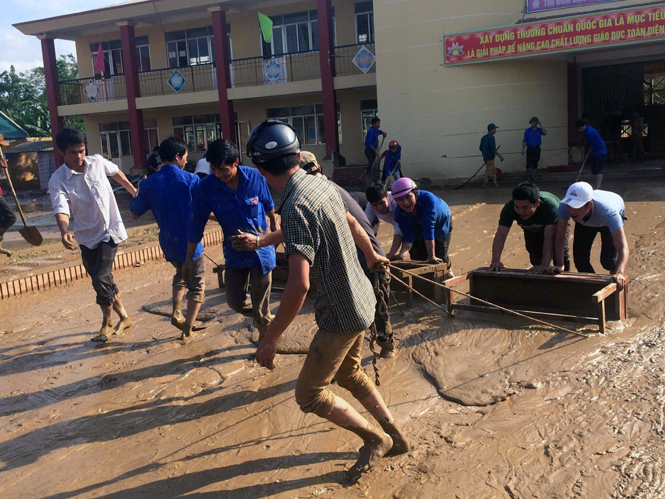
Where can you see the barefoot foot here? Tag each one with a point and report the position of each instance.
(103, 335)
(369, 455)
(125, 323)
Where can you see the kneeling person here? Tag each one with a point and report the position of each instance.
(240, 199)
(168, 193)
(535, 212)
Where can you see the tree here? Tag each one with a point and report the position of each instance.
(23, 97)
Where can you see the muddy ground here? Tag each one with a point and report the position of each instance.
(495, 407)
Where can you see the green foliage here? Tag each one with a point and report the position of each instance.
(23, 97)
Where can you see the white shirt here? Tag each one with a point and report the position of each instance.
(202, 166)
(388, 217)
(95, 210)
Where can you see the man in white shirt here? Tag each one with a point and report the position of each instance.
(82, 184)
(202, 167)
(381, 206)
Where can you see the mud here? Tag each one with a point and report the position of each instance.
(494, 406)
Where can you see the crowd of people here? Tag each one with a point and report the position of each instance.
(329, 239)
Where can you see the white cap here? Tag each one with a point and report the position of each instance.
(579, 194)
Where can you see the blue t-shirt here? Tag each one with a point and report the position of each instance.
(244, 209)
(168, 193)
(372, 138)
(432, 213)
(595, 141)
(391, 159)
(488, 147)
(533, 137)
(608, 211)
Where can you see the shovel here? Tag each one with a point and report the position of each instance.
(29, 232)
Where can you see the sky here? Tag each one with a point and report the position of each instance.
(25, 52)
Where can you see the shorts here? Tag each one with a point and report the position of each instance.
(532, 157)
(196, 285)
(490, 168)
(598, 164)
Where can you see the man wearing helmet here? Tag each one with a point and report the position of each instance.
(425, 221)
(320, 248)
(393, 164)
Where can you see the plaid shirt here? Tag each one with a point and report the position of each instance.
(314, 226)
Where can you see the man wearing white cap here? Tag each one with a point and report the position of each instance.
(594, 212)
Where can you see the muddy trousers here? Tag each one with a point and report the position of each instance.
(196, 286)
(98, 262)
(7, 217)
(237, 282)
(331, 355)
(534, 242)
(584, 237)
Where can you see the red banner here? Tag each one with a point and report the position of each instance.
(619, 27)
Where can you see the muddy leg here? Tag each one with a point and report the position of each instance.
(193, 308)
(377, 443)
(107, 326)
(177, 319)
(3, 251)
(376, 406)
(125, 322)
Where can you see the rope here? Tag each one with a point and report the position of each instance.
(503, 309)
(213, 261)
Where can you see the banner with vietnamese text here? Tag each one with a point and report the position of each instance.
(619, 27)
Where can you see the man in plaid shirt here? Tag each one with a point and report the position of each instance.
(321, 251)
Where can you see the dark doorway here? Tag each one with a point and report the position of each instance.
(612, 95)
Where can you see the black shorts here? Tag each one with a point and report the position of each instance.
(598, 164)
(532, 156)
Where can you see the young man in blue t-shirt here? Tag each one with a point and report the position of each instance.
(372, 145)
(531, 145)
(597, 150)
(168, 194)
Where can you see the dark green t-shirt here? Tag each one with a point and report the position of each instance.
(545, 214)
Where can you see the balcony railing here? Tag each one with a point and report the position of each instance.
(283, 68)
(82, 91)
(344, 55)
(251, 71)
(196, 79)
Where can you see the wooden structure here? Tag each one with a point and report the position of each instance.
(589, 298)
(435, 271)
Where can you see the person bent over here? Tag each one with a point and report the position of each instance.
(425, 221)
(168, 193)
(82, 184)
(240, 200)
(535, 212)
(320, 249)
(594, 212)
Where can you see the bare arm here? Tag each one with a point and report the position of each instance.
(274, 225)
(559, 242)
(62, 220)
(361, 239)
(523, 148)
(621, 244)
(296, 289)
(251, 242)
(431, 255)
(397, 242)
(497, 248)
(122, 180)
(548, 246)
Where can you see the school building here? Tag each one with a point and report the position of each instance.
(436, 72)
